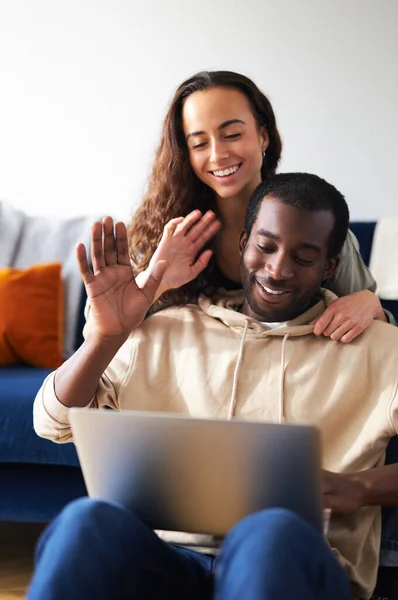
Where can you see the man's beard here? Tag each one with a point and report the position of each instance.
(272, 314)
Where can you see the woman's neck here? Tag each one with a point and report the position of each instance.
(231, 211)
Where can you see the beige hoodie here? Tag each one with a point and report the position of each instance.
(211, 361)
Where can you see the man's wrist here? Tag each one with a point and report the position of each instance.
(110, 342)
(366, 489)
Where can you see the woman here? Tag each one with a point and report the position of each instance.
(219, 141)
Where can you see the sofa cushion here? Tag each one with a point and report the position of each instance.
(18, 441)
(31, 316)
(27, 240)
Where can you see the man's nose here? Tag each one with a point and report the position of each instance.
(279, 266)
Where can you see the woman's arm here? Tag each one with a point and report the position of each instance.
(357, 305)
(351, 274)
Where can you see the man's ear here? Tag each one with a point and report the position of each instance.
(242, 241)
(330, 267)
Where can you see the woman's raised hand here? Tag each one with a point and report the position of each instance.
(117, 304)
(181, 246)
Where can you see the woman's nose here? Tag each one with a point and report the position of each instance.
(218, 152)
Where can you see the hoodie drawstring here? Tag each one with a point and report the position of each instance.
(232, 403)
(282, 381)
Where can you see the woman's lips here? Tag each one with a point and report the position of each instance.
(226, 175)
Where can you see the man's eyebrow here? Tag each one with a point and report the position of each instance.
(268, 234)
(276, 238)
(308, 246)
(220, 127)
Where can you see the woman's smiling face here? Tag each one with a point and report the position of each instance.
(225, 143)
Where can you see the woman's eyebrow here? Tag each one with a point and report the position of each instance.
(194, 133)
(222, 126)
(230, 122)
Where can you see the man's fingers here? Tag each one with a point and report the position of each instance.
(108, 241)
(122, 246)
(326, 481)
(84, 267)
(330, 501)
(97, 255)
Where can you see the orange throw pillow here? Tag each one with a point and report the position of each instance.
(31, 316)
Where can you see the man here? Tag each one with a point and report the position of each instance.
(185, 360)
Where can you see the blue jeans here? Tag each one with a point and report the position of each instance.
(99, 550)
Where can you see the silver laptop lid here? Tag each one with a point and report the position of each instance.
(198, 475)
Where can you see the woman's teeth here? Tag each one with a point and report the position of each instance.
(226, 172)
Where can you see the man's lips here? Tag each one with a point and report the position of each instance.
(272, 293)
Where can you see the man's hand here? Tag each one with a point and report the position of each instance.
(343, 494)
(117, 304)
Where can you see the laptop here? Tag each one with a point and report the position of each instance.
(198, 475)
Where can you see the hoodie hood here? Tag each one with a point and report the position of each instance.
(226, 307)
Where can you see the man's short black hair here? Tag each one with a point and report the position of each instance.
(306, 192)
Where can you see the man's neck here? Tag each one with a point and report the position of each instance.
(272, 318)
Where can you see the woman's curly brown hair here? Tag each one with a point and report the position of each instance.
(174, 190)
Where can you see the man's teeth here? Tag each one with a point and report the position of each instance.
(275, 292)
(226, 172)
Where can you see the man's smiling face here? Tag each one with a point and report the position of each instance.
(284, 260)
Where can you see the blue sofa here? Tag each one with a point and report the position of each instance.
(38, 477)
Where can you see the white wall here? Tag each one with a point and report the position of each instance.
(84, 85)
